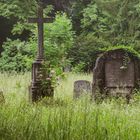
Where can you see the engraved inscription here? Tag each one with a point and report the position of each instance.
(117, 77)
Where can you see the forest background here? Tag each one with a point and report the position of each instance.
(82, 29)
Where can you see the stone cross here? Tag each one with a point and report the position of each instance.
(40, 20)
(36, 91)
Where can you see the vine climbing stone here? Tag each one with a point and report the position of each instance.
(116, 73)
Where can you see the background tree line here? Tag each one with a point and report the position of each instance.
(80, 32)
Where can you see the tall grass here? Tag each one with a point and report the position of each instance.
(64, 118)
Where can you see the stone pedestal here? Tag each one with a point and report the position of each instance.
(36, 90)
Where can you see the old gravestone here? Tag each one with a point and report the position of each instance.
(81, 87)
(116, 73)
(36, 91)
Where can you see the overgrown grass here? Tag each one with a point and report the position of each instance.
(64, 118)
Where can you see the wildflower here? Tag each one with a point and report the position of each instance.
(52, 72)
(48, 79)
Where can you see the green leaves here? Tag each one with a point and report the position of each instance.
(58, 39)
(21, 11)
(90, 15)
(17, 56)
(86, 50)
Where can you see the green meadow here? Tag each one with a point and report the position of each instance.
(63, 118)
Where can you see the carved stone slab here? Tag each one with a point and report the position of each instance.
(117, 73)
(119, 92)
(116, 77)
(81, 87)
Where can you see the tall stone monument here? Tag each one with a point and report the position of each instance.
(36, 92)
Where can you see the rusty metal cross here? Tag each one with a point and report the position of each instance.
(40, 22)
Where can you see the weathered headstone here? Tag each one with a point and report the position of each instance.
(82, 87)
(116, 73)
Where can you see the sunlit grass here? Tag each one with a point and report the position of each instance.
(65, 89)
(63, 118)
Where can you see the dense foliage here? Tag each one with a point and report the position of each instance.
(97, 24)
(59, 38)
(113, 23)
(85, 51)
(17, 56)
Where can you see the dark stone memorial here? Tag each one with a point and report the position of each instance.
(116, 73)
(36, 91)
(82, 87)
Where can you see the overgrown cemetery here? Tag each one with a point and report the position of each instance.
(69, 70)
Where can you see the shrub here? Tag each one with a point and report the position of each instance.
(86, 50)
(17, 56)
(58, 39)
(79, 67)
